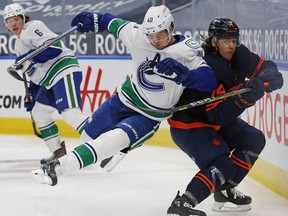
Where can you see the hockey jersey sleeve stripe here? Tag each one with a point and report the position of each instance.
(116, 25)
(49, 53)
(257, 68)
(60, 65)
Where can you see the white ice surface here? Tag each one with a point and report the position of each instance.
(143, 184)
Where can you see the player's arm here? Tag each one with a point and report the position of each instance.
(223, 111)
(201, 78)
(44, 56)
(35, 35)
(266, 70)
(97, 22)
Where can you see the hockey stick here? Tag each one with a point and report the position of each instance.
(29, 99)
(202, 101)
(12, 69)
(213, 99)
(210, 100)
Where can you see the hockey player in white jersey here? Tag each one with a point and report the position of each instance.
(164, 64)
(54, 74)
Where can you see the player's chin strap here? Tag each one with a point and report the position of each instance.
(12, 70)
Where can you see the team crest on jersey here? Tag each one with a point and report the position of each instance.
(146, 68)
(148, 65)
(193, 44)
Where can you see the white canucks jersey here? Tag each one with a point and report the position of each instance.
(33, 35)
(145, 89)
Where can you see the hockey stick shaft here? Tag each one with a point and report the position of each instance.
(29, 99)
(203, 101)
(213, 99)
(12, 69)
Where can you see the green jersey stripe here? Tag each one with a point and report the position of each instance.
(115, 25)
(58, 67)
(129, 92)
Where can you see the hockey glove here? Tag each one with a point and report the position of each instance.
(275, 80)
(27, 66)
(33, 91)
(89, 20)
(173, 70)
(29, 105)
(248, 99)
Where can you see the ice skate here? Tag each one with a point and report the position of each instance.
(55, 155)
(182, 206)
(229, 199)
(109, 163)
(47, 173)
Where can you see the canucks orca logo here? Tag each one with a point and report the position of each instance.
(146, 69)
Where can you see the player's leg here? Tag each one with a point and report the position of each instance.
(99, 122)
(130, 133)
(111, 162)
(68, 100)
(65, 97)
(247, 143)
(211, 154)
(104, 146)
(42, 113)
(119, 128)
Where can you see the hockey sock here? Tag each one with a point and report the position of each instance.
(50, 134)
(104, 146)
(210, 179)
(244, 161)
(203, 184)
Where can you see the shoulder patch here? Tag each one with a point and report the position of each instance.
(192, 44)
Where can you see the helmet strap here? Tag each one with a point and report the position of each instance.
(214, 41)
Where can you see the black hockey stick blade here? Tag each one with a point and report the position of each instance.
(13, 72)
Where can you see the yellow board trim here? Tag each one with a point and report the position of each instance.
(264, 172)
(270, 176)
(24, 126)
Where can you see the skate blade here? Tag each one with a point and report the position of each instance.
(40, 177)
(230, 207)
(113, 162)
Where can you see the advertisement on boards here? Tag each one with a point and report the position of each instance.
(101, 79)
(270, 115)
